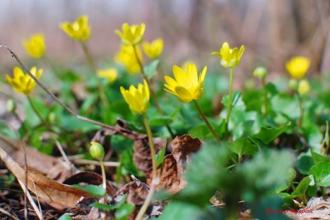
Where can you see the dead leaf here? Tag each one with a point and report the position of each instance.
(170, 177)
(55, 194)
(141, 157)
(136, 192)
(173, 167)
(52, 167)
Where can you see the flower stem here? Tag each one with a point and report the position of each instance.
(151, 145)
(265, 109)
(230, 101)
(206, 121)
(153, 94)
(88, 56)
(34, 108)
(155, 180)
(104, 178)
(301, 108)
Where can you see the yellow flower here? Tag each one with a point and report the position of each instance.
(78, 30)
(186, 84)
(137, 98)
(230, 57)
(303, 87)
(298, 66)
(153, 49)
(22, 82)
(127, 58)
(35, 46)
(110, 74)
(131, 34)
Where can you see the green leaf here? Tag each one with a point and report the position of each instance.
(160, 121)
(124, 211)
(321, 172)
(151, 69)
(65, 217)
(208, 164)
(200, 131)
(243, 146)
(302, 187)
(160, 156)
(304, 163)
(73, 124)
(318, 158)
(268, 134)
(103, 207)
(97, 191)
(186, 211)
(287, 105)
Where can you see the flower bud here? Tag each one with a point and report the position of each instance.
(260, 72)
(303, 87)
(96, 150)
(11, 105)
(52, 117)
(293, 84)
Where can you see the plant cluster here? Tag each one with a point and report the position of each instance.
(264, 147)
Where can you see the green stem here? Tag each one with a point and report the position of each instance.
(153, 94)
(206, 121)
(42, 120)
(155, 180)
(265, 110)
(301, 108)
(230, 101)
(89, 57)
(151, 146)
(104, 177)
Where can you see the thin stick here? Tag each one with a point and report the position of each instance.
(8, 214)
(91, 162)
(34, 206)
(146, 203)
(65, 157)
(69, 110)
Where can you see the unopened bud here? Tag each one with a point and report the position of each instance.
(293, 84)
(303, 87)
(11, 105)
(96, 150)
(260, 72)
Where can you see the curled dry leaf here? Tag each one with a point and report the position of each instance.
(171, 171)
(142, 158)
(170, 176)
(317, 208)
(52, 167)
(136, 192)
(45, 188)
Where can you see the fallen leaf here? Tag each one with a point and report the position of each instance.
(136, 192)
(52, 167)
(55, 194)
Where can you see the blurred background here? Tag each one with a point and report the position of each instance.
(272, 30)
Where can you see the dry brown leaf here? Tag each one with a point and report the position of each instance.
(55, 194)
(136, 192)
(141, 157)
(183, 145)
(170, 177)
(53, 167)
(171, 171)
